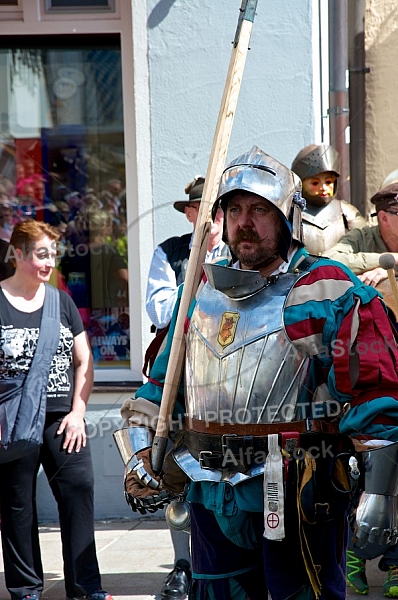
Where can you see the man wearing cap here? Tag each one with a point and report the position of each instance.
(360, 249)
(170, 259)
(270, 360)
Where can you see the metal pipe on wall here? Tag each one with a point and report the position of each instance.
(357, 70)
(338, 91)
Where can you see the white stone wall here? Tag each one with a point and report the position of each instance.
(189, 47)
(381, 35)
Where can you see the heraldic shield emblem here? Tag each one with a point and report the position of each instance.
(226, 333)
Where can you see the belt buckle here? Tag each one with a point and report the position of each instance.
(201, 459)
(223, 441)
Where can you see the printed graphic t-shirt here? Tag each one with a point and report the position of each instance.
(19, 332)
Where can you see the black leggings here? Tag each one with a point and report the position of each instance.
(72, 483)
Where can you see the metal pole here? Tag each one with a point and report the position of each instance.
(338, 91)
(357, 69)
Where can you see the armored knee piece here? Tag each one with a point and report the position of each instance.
(377, 512)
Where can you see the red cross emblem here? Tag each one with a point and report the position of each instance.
(272, 520)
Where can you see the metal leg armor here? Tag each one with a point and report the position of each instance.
(377, 512)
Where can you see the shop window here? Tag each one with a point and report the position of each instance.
(62, 161)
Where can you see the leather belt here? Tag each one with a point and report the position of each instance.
(240, 452)
(226, 451)
(262, 429)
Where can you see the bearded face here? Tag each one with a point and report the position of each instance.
(253, 230)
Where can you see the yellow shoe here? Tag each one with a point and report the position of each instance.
(390, 588)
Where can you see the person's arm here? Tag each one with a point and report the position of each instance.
(123, 275)
(73, 422)
(333, 317)
(162, 290)
(350, 252)
(123, 286)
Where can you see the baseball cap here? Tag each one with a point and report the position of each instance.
(386, 199)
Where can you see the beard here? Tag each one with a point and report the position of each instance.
(257, 256)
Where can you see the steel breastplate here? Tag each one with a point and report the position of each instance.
(241, 368)
(323, 226)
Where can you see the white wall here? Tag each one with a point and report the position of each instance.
(189, 51)
(381, 39)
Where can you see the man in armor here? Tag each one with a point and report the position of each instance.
(271, 358)
(326, 218)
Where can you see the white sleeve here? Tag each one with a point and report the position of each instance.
(161, 291)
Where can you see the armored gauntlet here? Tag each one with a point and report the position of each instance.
(144, 491)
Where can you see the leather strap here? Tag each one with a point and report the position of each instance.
(262, 429)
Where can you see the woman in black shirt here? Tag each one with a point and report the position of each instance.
(65, 453)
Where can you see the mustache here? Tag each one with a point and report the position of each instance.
(246, 235)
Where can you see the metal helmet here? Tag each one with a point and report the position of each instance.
(258, 173)
(315, 159)
(391, 178)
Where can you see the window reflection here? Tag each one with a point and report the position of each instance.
(62, 161)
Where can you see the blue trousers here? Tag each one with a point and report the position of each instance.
(225, 571)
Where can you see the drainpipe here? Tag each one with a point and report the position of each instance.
(338, 92)
(357, 68)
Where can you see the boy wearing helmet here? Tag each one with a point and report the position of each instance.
(270, 360)
(326, 218)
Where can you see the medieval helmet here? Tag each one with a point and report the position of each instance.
(315, 159)
(258, 173)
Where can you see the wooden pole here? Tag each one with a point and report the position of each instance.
(387, 262)
(199, 245)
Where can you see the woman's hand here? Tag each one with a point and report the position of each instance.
(75, 432)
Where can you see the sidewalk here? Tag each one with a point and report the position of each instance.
(134, 556)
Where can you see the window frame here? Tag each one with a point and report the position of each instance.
(103, 10)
